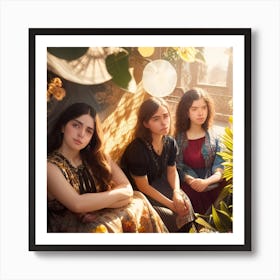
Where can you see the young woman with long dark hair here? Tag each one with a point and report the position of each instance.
(200, 167)
(149, 162)
(85, 188)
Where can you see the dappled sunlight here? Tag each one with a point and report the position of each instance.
(118, 127)
(119, 121)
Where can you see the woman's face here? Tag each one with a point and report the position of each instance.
(159, 123)
(78, 132)
(198, 112)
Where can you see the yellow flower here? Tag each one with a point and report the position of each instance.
(51, 88)
(100, 229)
(57, 82)
(187, 54)
(55, 88)
(59, 93)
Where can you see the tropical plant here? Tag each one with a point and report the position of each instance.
(219, 217)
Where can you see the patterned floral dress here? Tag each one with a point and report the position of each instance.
(138, 216)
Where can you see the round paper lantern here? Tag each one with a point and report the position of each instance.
(159, 78)
(146, 51)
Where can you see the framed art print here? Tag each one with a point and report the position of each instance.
(114, 70)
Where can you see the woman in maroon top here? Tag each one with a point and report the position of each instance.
(199, 166)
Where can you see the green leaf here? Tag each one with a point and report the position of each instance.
(221, 211)
(192, 230)
(229, 132)
(200, 57)
(67, 53)
(217, 220)
(228, 164)
(203, 223)
(226, 191)
(223, 206)
(228, 176)
(118, 67)
(222, 220)
(205, 217)
(225, 220)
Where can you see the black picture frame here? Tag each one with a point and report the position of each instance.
(36, 172)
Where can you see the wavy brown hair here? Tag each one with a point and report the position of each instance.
(184, 105)
(93, 154)
(147, 109)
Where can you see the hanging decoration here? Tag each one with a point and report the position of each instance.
(67, 53)
(146, 51)
(93, 65)
(89, 69)
(159, 78)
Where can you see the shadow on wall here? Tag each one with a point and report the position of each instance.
(116, 108)
(119, 121)
(119, 126)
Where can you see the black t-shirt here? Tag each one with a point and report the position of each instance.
(140, 159)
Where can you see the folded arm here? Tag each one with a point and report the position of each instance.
(61, 190)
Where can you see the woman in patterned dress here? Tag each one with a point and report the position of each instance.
(87, 191)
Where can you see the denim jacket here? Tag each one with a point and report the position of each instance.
(209, 151)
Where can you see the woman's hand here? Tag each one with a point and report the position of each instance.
(180, 206)
(198, 184)
(121, 203)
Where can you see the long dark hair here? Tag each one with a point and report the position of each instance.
(93, 154)
(147, 109)
(182, 113)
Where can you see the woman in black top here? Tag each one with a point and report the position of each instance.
(150, 163)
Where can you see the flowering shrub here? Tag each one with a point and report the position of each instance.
(55, 89)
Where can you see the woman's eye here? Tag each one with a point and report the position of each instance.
(75, 125)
